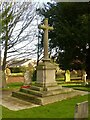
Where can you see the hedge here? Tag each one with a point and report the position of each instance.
(21, 69)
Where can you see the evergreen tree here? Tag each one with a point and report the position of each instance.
(70, 35)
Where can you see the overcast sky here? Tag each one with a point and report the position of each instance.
(40, 2)
(44, 0)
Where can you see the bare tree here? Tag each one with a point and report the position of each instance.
(17, 29)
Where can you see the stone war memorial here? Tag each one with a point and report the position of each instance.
(45, 90)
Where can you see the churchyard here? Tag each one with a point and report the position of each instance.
(45, 97)
(17, 80)
(75, 80)
(57, 85)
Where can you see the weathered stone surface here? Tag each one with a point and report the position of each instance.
(67, 76)
(46, 74)
(8, 71)
(81, 110)
(13, 103)
(46, 97)
(46, 28)
(27, 78)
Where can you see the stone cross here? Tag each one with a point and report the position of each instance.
(46, 28)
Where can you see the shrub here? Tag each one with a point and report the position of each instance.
(21, 69)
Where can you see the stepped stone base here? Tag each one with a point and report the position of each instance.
(38, 95)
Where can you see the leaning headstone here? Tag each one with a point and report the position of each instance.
(67, 76)
(81, 111)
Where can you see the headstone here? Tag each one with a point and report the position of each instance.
(73, 73)
(84, 77)
(27, 78)
(79, 73)
(67, 76)
(7, 72)
(81, 111)
(28, 74)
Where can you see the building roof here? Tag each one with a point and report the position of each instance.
(23, 62)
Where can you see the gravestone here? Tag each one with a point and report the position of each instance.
(73, 73)
(67, 76)
(28, 74)
(27, 78)
(84, 77)
(81, 111)
(7, 72)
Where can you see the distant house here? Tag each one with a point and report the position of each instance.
(23, 62)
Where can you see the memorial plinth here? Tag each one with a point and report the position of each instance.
(46, 74)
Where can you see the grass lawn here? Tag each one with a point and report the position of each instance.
(62, 109)
(72, 85)
(15, 85)
(77, 87)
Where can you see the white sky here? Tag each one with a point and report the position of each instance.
(35, 39)
(40, 1)
(44, 1)
(25, 1)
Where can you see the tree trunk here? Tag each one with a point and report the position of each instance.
(4, 61)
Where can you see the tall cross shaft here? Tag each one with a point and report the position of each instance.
(46, 28)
